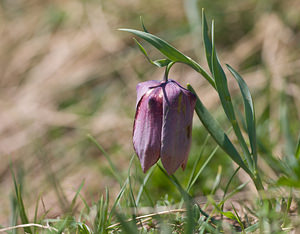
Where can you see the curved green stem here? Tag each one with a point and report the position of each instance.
(168, 67)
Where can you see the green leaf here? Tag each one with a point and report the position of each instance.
(206, 41)
(223, 91)
(249, 111)
(143, 25)
(158, 63)
(238, 218)
(163, 46)
(170, 52)
(229, 215)
(217, 133)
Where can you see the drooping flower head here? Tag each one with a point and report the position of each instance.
(163, 124)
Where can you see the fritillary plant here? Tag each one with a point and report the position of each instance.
(164, 111)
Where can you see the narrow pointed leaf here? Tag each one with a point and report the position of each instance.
(206, 41)
(238, 218)
(223, 91)
(163, 46)
(170, 52)
(229, 215)
(249, 110)
(217, 133)
(158, 63)
(143, 25)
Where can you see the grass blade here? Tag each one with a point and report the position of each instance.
(149, 173)
(117, 200)
(101, 221)
(236, 190)
(238, 218)
(197, 162)
(76, 195)
(20, 203)
(217, 180)
(112, 166)
(202, 168)
(227, 185)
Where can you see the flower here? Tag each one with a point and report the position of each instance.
(163, 124)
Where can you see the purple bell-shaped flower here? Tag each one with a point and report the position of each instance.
(163, 124)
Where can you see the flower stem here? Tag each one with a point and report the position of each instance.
(168, 67)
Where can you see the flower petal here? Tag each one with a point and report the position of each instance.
(178, 110)
(147, 128)
(143, 87)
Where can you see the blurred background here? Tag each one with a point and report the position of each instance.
(66, 72)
